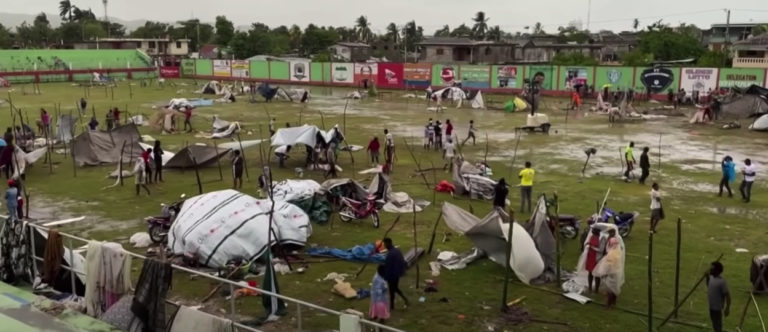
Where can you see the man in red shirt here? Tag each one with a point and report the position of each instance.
(448, 129)
(373, 149)
(145, 156)
(116, 116)
(187, 117)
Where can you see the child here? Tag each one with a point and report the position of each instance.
(379, 305)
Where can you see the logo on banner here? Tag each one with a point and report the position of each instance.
(447, 74)
(390, 76)
(341, 74)
(657, 79)
(299, 71)
(614, 76)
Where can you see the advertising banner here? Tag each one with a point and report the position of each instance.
(544, 74)
(615, 78)
(203, 67)
(222, 68)
(478, 77)
(572, 77)
(366, 72)
(342, 73)
(170, 72)
(698, 79)
(188, 67)
(279, 70)
(417, 74)
(658, 80)
(240, 68)
(504, 77)
(741, 77)
(390, 75)
(444, 75)
(300, 71)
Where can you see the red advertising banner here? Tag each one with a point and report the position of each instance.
(170, 72)
(417, 74)
(391, 75)
(366, 72)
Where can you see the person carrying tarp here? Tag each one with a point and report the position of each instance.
(282, 154)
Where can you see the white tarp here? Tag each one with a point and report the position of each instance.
(242, 144)
(761, 123)
(222, 225)
(289, 190)
(23, 159)
(615, 280)
(305, 134)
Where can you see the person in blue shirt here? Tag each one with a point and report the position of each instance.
(729, 175)
(12, 199)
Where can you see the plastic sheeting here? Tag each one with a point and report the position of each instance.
(306, 134)
(203, 156)
(468, 181)
(490, 235)
(98, 147)
(760, 124)
(361, 253)
(614, 281)
(290, 190)
(65, 128)
(542, 235)
(222, 225)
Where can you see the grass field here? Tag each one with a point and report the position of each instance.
(689, 174)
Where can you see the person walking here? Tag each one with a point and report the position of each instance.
(449, 151)
(379, 310)
(470, 133)
(657, 211)
(448, 129)
(116, 116)
(729, 175)
(45, 119)
(389, 149)
(237, 170)
(281, 152)
(645, 165)
(272, 127)
(146, 155)
(140, 176)
(500, 192)
(187, 119)
(526, 186)
(438, 135)
(373, 150)
(157, 156)
(330, 156)
(629, 157)
(394, 268)
(718, 296)
(12, 199)
(110, 119)
(749, 173)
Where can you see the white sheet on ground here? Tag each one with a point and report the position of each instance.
(760, 124)
(289, 190)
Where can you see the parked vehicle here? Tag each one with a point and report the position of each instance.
(158, 226)
(356, 210)
(624, 220)
(568, 224)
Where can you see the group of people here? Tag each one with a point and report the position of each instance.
(386, 281)
(150, 160)
(748, 171)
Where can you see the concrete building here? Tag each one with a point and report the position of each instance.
(465, 50)
(354, 52)
(543, 48)
(715, 37)
(388, 49)
(150, 46)
(614, 45)
(751, 53)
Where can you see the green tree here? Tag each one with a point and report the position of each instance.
(713, 59)
(363, 29)
(317, 40)
(393, 33)
(462, 31)
(573, 59)
(295, 37)
(197, 33)
(759, 29)
(445, 31)
(572, 34)
(481, 26)
(65, 10)
(412, 35)
(666, 43)
(225, 30)
(5, 37)
(82, 15)
(495, 34)
(70, 32)
(113, 29)
(151, 30)
(239, 45)
(636, 58)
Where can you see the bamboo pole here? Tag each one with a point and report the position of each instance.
(677, 261)
(130, 90)
(485, 157)
(242, 152)
(508, 257)
(650, 282)
(557, 236)
(434, 232)
(218, 161)
(416, 161)
(743, 315)
(660, 152)
(416, 247)
(514, 155)
(120, 168)
(757, 309)
(197, 173)
(680, 304)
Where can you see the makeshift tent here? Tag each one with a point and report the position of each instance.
(100, 147)
(294, 95)
(542, 235)
(469, 181)
(65, 128)
(212, 88)
(266, 91)
(307, 135)
(289, 190)
(457, 95)
(743, 103)
(235, 145)
(23, 159)
(178, 103)
(167, 155)
(216, 227)
(760, 124)
(219, 124)
(344, 188)
(490, 235)
(203, 156)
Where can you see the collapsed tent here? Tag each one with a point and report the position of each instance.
(103, 147)
(266, 91)
(65, 128)
(167, 155)
(458, 96)
(469, 180)
(742, 103)
(538, 228)
(213, 88)
(22, 159)
(490, 235)
(294, 95)
(196, 155)
(307, 135)
(289, 190)
(219, 226)
(760, 124)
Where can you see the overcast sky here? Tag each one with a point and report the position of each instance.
(431, 14)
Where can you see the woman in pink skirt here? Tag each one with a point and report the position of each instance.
(379, 304)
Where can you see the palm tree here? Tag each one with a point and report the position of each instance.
(294, 34)
(461, 31)
(635, 24)
(363, 29)
(444, 32)
(538, 29)
(481, 25)
(393, 33)
(65, 9)
(495, 34)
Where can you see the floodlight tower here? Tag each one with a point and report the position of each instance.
(106, 17)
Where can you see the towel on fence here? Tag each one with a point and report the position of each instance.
(52, 257)
(115, 275)
(188, 319)
(93, 296)
(149, 297)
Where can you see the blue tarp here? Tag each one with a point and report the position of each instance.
(201, 102)
(355, 254)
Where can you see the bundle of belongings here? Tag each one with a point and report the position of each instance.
(490, 235)
(182, 103)
(306, 195)
(380, 187)
(758, 273)
(219, 226)
(458, 96)
(145, 310)
(49, 245)
(471, 180)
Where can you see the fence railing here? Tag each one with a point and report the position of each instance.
(299, 304)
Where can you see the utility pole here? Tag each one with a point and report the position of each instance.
(589, 12)
(198, 35)
(727, 34)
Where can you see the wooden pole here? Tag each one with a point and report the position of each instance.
(130, 90)
(197, 173)
(485, 157)
(650, 282)
(344, 117)
(508, 257)
(743, 314)
(680, 304)
(322, 118)
(514, 155)
(416, 247)
(557, 236)
(218, 161)
(112, 92)
(301, 111)
(362, 268)
(757, 309)
(434, 179)
(659, 151)
(74, 163)
(677, 261)
(434, 232)
(242, 152)
(416, 161)
(120, 168)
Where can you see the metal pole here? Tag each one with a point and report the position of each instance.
(727, 34)
(509, 256)
(71, 264)
(415, 248)
(650, 282)
(32, 241)
(677, 262)
(232, 302)
(298, 315)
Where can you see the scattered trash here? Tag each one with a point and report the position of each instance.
(461, 317)
(577, 297)
(336, 276)
(431, 286)
(444, 300)
(516, 301)
(434, 267)
(344, 289)
(741, 250)
(515, 315)
(140, 240)
(422, 299)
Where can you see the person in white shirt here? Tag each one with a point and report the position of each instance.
(749, 173)
(449, 151)
(272, 127)
(389, 148)
(657, 212)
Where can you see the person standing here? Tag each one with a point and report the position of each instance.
(749, 173)
(146, 156)
(645, 165)
(448, 129)
(594, 253)
(629, 157)
(12, 199)
(237, 170)
(330, 155)
(157, 156)
(389, 149)
(449, 151)
(471, 133)
(430, 135)
(272, 127)
(394, 268)
(110, 119)
(438, 135)
(282, 154)
(93, 125)
(500, 192)
(379, 310)
(373, 150)
(83, 105)
(140, 176)
(526, 186)
(187, 119)
(729, 175)
(610, 269)
(718, 296)
(116, 116)
(657, 211)
(45, 119)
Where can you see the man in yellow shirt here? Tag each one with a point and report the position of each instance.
(629, 157)
(526, 186)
